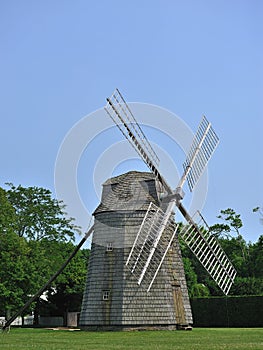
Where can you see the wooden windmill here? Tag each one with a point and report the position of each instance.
(136, 276)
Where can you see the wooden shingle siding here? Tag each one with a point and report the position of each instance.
(118, 217)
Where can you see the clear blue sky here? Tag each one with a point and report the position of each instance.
(59, 60)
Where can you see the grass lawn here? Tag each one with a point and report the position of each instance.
(198, 338)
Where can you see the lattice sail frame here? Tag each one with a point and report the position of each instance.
(122, 116)
(151, 245)
(202, 148)
(208, 251)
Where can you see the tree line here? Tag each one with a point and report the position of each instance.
(36, 237)
(247, 258)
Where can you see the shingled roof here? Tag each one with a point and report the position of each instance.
(130, 191)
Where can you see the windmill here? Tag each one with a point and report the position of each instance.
(136, 276)
(155, 245)
(203, 245)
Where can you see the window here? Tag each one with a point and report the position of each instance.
(105, 295)
(109, 247)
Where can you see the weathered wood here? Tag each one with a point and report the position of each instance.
(124, 202)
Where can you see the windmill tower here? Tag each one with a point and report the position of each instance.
(113, 299)
(135, 275)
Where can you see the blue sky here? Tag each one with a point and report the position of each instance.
(60, 59)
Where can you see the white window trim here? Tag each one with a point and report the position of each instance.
(109, 247)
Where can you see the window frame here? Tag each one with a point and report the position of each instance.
(109, 247)
(106, 295)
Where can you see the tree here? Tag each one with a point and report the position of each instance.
(38, 215)
(32, 226)
(247, 258)
(67, 291)
(256, 258)
(232, 223)
(260, 211)
(193, 273)
(13, 258)
(7, 213)
(14, 266)
(247, 286)
(195, 289)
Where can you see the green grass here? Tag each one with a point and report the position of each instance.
(199, 338)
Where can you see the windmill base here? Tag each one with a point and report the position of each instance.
(127, 328)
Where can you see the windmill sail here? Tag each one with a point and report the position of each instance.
(151, 245)
(152, 242)
(208, 251)
(122, 116)
(202, 148)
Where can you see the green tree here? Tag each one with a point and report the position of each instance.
(256, 258)
(231, 223)
(247, 286)
(7, 213)
(39, 215)
(14, 266)
(13, 258)
(230, 228)
(24, 267)
(67, 291)
(32, 225)
(195, 289)
(246, 257)
(193, 273)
